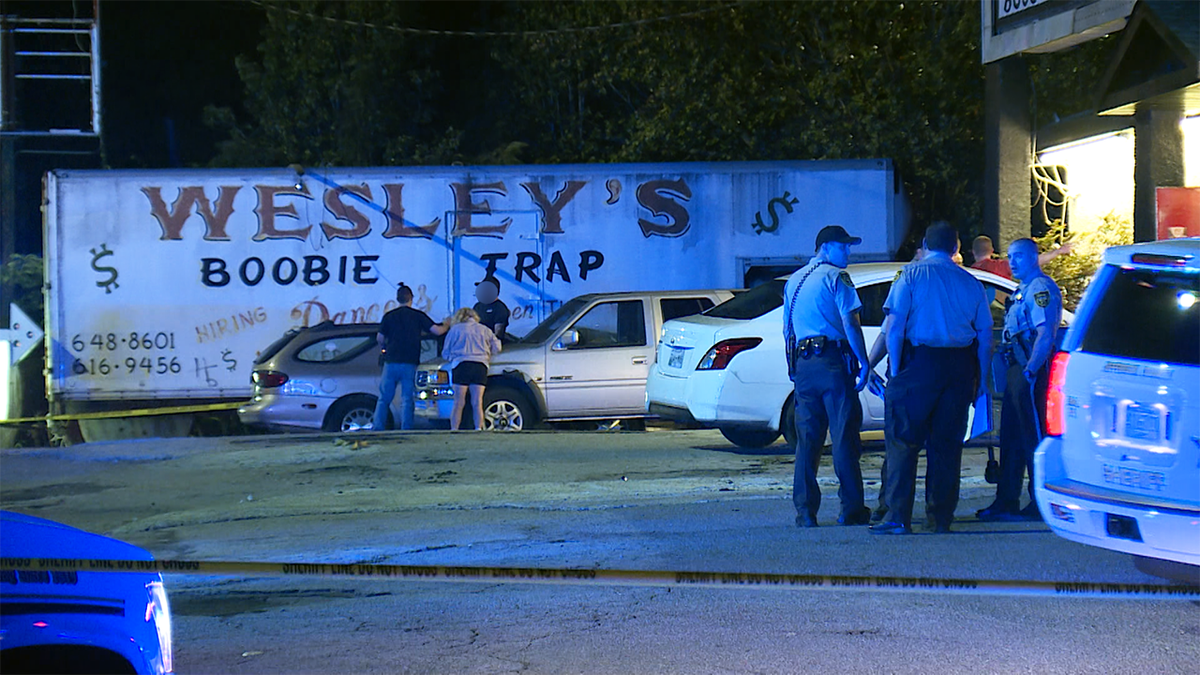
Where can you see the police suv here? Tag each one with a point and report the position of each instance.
(78, 621)
(1120, 465)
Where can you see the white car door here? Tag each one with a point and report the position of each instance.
(598, 367)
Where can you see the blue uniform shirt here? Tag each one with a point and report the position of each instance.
(944, 306)
(1037, 302)
(827, 294)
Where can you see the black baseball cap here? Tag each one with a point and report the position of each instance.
(836, 233)
(490, 279)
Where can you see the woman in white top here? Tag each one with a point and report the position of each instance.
(469, 348)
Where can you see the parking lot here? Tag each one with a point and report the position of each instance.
(662, 500)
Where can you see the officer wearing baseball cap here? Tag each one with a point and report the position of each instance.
(827, 361)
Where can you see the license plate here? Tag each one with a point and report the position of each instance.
(1124, 476)
(1142, 423)
(676, 358)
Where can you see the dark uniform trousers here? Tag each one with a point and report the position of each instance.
(1019, 432)
(926, 405)
(827, 402)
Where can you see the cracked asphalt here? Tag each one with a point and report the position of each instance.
(658, 500)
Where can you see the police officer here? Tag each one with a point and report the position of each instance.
(827, 360)
(1030, 327)
(938, 343)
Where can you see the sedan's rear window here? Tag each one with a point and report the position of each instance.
(1148, 316)
(751, 304)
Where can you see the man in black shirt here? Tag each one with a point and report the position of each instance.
(492, 312)
(400, 334)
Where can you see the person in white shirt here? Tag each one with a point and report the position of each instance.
(469, 348)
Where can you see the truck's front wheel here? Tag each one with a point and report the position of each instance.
(505, 409)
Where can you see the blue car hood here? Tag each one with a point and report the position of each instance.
(23, 536)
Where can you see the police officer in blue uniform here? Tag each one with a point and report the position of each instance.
(1031, 324)
(939, 343)
(827, 360)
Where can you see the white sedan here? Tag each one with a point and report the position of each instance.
(726, 367)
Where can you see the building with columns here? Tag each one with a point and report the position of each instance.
(1133, 157)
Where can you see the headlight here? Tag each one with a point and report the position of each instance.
(158, 610)
(430, 378)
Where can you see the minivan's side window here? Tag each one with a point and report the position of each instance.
(612, 324)
(673, 308)
(335, 348)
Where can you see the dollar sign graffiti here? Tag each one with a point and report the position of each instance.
(111, 282)
(227, 358)
(786, 201)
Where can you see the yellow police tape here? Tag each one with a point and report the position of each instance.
(140, 412)
(798, 582)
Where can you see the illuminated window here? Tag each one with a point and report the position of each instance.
(1190, 126)
(1099, 178)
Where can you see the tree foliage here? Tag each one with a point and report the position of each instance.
(1074, 272)
(23, 274)
(1066, 83)
(753, 81)
(333, 93)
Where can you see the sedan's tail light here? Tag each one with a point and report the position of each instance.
(723, 352)
(268, 379)
(1056, 402)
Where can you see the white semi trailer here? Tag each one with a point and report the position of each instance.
(163, 285)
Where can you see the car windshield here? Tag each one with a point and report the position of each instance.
(555, 321)
(751, 304)
(1162, 306)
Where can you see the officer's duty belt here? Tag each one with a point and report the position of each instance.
(817, 345)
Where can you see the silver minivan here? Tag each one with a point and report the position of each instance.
(1120, 465)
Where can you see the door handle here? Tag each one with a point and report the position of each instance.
(639, 360)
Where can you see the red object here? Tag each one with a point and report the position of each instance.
(268, 379)
(1158, 259)
(997, 266)
(1056, 419)
(1178, 212)
(723, 352)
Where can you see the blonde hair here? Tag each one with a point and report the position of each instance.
(463, 315)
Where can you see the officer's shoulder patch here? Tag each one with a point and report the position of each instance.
(1042, 298)
(897, 277)
(845, 277)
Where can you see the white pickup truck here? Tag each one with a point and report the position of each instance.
(588, 361)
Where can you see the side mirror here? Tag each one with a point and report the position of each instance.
(569, 339)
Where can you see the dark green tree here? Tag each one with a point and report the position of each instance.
(330, 89)
(652, 81)
(761, 81)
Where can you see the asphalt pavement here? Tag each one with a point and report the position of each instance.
(684, 501)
